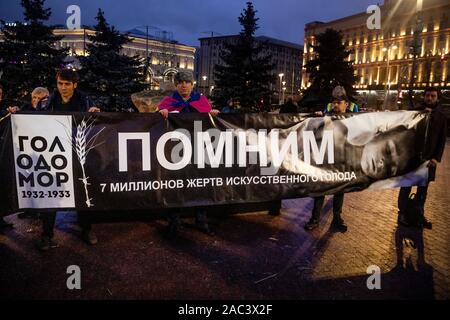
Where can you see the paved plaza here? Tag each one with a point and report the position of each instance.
(252, 256)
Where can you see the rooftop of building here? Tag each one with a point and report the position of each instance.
(274, 41)
(396, 6)
(135, 33)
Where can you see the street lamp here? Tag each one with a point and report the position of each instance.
(388, 87)
(204, 79)
(147, 56)
(281, 75)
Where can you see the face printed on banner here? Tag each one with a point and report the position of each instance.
(184, 88)
(389, 153)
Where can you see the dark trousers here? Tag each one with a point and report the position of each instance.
(201, 216)
(48, 223)
(275, 207)
(338, 201)
(49, 218)
(405, 192)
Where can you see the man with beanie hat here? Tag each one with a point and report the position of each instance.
(185, 100)
(340, 95)
(340, 105)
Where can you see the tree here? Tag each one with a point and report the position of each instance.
(245, 72)
(108, 75)
(330, 68)
(28, 56)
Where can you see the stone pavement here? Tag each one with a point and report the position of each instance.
(252, 255)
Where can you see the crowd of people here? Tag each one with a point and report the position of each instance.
(67, 98)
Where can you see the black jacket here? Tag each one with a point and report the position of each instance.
(78, 103)
(436, 135)
(27, 107)
(288, 107)
(3, 111)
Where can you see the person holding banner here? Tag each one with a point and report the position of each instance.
(66, 98)
(341, 105)
(3, 110)
(433, 150)
(185, 100)
(38, 95)
(3, 223)
(2, 107)
(1, 96)
(290, 106)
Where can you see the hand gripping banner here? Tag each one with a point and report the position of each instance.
(116, 161)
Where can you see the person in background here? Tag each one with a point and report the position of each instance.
(233, 105)
(290, 106)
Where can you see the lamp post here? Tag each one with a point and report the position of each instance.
(284, 90)
(147, 52)
(388, 84)
(210, 51)
(414, 51)
(281, 75)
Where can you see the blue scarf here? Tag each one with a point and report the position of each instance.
(181, 103)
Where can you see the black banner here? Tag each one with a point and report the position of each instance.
(115, 161)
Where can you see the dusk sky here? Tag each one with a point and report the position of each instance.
(282, 19)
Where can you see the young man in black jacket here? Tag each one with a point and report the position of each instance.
(434, 148)
(66, 98)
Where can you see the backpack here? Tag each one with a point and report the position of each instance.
(414, 211)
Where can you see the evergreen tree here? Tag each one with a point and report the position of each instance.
(28, 57)
(330, 68)
(245, 72)
(108, 75)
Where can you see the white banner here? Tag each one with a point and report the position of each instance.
(43, 161)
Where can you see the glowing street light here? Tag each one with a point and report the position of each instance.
(204, 85)
(388, 88)
(281, 75)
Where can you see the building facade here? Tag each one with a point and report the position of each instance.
(410, 50)
(286, 56)
(165, 57)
